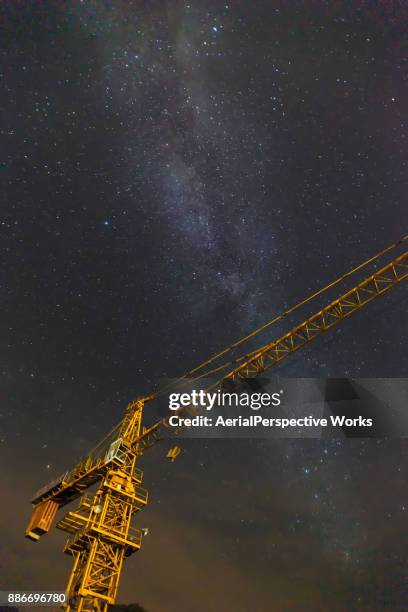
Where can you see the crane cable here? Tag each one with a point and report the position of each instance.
(276, 319)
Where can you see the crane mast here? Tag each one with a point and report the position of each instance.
(101, 526)
(100, 529)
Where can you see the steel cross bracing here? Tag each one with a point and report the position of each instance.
(101, 530)
(368, 290)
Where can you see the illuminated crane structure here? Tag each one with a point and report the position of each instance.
(101, 531)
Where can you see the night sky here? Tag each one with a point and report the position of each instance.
(175, 174)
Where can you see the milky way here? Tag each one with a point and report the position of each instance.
(176, 173)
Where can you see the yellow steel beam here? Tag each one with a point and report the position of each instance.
(274, 352)
(368, 290)
(101, 527)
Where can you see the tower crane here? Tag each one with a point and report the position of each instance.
(101, 534)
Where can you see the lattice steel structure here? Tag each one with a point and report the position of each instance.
(101, 527)
(368, 290)
(101, 531)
